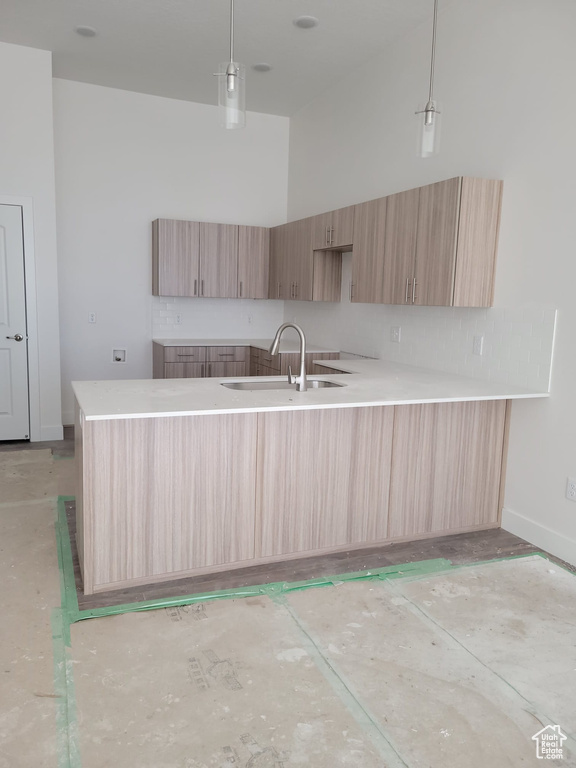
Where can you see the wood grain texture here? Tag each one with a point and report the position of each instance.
(157, 361)
(300, 264)
(227, 354)
(312, 489)
(218, 260)
(321, 225)
(446, 466)
(334, 229)
(175, 257)
(480, 206)
(223, 369)
(184, 354)
(400, 246)
(82, 543)
(327, 276)
(368, 251)
(253, 262)
(167, 495)
(278, 284)
(184, 370)
(436, 243)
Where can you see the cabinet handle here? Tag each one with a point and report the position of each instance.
(240, 288)
(195, 287)
(202, 371)
(351, 291)
(201, 287)
(331, 233)
(295, 290)
(278, 292)
(209, 369)
(407, 285)
(327, 238)
(414, 290)
(225, 354)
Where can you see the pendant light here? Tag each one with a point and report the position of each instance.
(429, 125)
(231, 90)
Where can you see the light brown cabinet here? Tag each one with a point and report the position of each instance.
(368, 251)
(253, 262)
(446, 467)
(322, 479)
(200, 259)
(400, 234)
(198, 362)
(334, 229)
(291, 261)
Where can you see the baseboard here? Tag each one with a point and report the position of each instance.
(50, 433)
(539, 535)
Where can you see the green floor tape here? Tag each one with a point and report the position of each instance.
(69, 613)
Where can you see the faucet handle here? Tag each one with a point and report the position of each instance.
(291, 377)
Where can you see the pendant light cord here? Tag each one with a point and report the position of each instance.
(433, 57)
(231, 30)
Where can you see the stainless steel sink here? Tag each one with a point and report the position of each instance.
(279, 383)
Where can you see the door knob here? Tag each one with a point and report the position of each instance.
(16, 337)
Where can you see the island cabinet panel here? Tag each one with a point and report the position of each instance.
(166, 496)
(446, 467)
(323, 479)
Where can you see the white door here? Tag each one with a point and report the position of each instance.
(14, 410)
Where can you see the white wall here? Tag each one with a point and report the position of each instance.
(122, 160)
(27, 171)
(505, 75)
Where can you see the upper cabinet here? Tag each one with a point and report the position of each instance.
(432, 246)
(368, 252)
(291, 261)
(334, 229)
(253, 258)
(200, 259)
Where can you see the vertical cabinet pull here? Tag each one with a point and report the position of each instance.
(351, 291)
(278, 291)
(413, 290)
(240, 293)
(202, 371)
(327, 238)
(201, 287)
(331, 233)
(407, 288)
(195, 287)
(209, 369)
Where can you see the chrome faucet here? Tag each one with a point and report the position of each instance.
(300, 380)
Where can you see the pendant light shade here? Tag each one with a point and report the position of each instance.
(429, 114)
(231, 86)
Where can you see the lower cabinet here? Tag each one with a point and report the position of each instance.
(162, 498)
(446, 467)
(322, 478)
(199, 362)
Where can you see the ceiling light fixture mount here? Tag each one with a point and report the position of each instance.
(231, 86)
(429, 126)
(85, 31)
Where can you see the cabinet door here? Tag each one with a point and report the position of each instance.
(321, 230)
(436, 243)
(342, 234)
(446, 468)
(278, 285)
(184, 354)
(368, 251)
(184, 370)
(218, 260)
(253, 259)
(227, 354)
(299, 267)
(400, 246)
(222, 369)
(175, 257)
(322, 478)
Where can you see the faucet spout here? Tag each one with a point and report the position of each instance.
(300, 380)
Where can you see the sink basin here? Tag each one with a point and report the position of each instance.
(280, 383)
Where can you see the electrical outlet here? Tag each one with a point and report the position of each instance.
(178, 320)
(478, 345)
(91, 317)
(395, 334)
(571, 488)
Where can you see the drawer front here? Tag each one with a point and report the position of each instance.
(222, 370)
(268, 360)
(184, 370)
(226, 354)
(184, 354)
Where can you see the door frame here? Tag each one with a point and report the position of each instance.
(27, 206)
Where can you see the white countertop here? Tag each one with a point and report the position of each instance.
(287, 345)
(370, 383)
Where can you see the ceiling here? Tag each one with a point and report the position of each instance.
(171, 47)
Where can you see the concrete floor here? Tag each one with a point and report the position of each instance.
(452, 667)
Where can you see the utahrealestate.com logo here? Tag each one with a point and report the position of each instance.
(549, 743)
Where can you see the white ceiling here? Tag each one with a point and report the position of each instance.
(172, 47)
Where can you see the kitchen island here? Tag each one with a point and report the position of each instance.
(178, 477)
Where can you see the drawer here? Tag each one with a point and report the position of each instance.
(223, 369)
(268, 360)
(184, 354)
(226, 354)
(184, 370)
